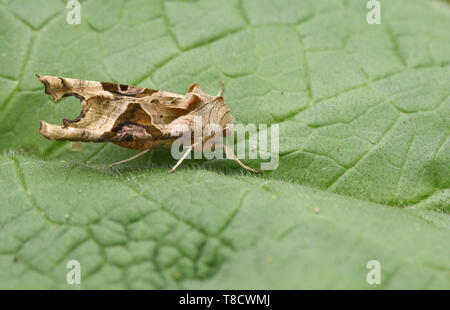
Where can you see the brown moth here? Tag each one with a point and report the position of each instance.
(134, 117)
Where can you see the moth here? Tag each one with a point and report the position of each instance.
(135, 117)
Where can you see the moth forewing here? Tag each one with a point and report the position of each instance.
(135, 117)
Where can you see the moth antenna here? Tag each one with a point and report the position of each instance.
(220, 89)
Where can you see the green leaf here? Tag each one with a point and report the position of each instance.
(364, 174)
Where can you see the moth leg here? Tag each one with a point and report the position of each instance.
(129, 159)
(231, 155)
(220, 89)
(181, 159)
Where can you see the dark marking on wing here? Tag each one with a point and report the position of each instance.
(66, 121)
(126, 90)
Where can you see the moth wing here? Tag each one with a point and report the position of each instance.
(164, 109)
(59, 87)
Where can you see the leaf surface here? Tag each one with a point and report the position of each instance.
(364, 168)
